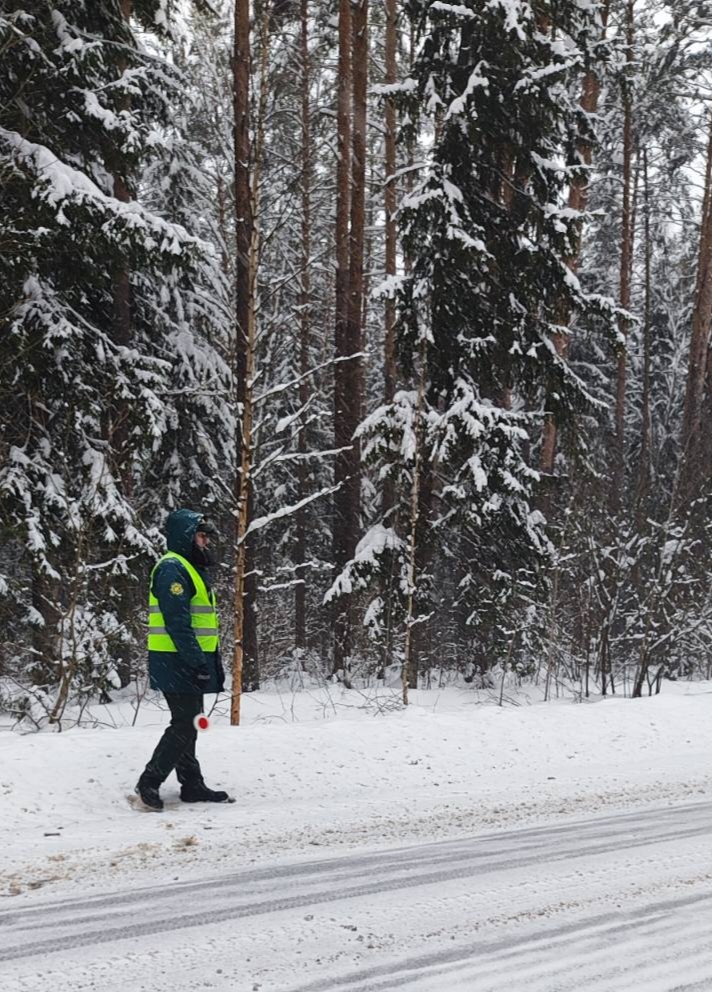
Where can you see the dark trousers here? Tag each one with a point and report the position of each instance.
(176, 749)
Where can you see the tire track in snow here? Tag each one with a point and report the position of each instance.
(602, 829)
(660, 940)
(74, 923)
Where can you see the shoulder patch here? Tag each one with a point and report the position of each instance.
(177, 589)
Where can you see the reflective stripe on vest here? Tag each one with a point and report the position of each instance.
(203, 612)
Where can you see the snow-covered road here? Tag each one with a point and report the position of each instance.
(612, 903)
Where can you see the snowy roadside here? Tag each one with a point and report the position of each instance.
(314, 776)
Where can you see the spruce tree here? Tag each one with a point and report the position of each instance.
(93, 393)
(493, 88)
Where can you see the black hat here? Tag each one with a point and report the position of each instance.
(206, 527)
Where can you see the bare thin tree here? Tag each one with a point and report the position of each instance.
(644, 468)
(247, 190)
(343, 524)
(626, 261)
(390, 201)
(304, 325)
(691, 431)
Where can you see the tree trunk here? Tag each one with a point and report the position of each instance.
(644, 468)
(578, 201)
(391, 246)
(247, 183)
(625, 268)
(119, 436)
(356, 311)
(390, 209)
(304, 332)
(410, 146)
(343, 527)
(122, 327)
(688, 482)
(705, 437)
(421, 653)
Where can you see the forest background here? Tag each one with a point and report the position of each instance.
(412, 298)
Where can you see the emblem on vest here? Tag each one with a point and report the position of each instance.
(177, 589)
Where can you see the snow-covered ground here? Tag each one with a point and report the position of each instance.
(454, 845)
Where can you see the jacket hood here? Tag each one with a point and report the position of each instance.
(181, 526)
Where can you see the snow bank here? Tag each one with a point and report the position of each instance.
(323, 770)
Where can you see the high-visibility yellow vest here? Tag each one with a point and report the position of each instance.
(203, 612)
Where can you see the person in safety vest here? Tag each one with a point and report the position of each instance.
(183, 655)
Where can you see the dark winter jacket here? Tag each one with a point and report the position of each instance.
(180, 672)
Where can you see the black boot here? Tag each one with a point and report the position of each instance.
(202, 794)
(148, 794)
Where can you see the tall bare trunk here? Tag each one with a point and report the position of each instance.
(626, 266)
(119, 426)
(705, 461)
(304, 329)
(390, 203)
(690, 436)
(578, 201)
(356, 312)
(247, 187)
(243, 236)
(644, 468)
(342, 528)
(705, 438)
(391, 245)
(410, 147)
